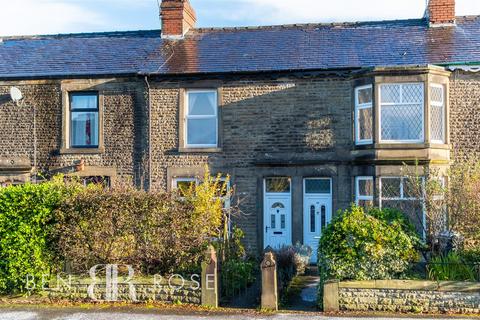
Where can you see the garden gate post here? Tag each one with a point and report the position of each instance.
(210, 278)
(269, 282)
(330, 296)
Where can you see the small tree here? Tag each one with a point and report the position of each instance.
(452, 206)
(428, 187)
(463, 199)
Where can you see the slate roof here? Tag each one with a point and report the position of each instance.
(254, 49)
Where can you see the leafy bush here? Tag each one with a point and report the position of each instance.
(237, 268)
(451, 268)
(359, 245)
(154, 232)
(26, 222)
(291, 261)
(471, 256)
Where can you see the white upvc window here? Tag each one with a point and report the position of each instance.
(437, 113)
(201, 119)
(402, 113)
(364, 191)
(364, 115)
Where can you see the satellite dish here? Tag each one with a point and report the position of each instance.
(15, 94)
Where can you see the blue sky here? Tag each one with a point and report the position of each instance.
(24, 17)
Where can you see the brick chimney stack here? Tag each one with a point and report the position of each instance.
(178, 17)
(441, 13)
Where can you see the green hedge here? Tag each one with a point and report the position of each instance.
(49, 226)
(26, 222)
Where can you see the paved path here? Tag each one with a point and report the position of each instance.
(72, 314)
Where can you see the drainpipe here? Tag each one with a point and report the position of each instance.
(149, 105)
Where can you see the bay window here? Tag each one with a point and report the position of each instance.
(402, 113)
(364, 115)
(437, 113)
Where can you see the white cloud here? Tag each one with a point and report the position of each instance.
(298, 11)
(19, 17)
(22, 17)
(273, 11)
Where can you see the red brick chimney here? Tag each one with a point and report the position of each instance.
(178, 17)
(441, 12)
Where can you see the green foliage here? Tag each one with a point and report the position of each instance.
(154, 232)
(237, 269)
(470, 256)
(451, 268)
(291, 262)
(359, 245)
(26, 222)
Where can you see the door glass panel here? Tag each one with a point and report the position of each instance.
(273, 221)
(277, 185)
(278, 205)
(317, 186)
(312, 218)
(324, 216)
(282, 222)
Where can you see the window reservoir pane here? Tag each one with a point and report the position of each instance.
(84, 129)
(83, 101)
(202, 103)
(277, 185)
(320, 186)
(202, 131)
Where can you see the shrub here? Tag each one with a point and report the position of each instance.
(470, 256)
(237, 268)
(26, 222)
(154, 232)
(451, 268)
(357, 245)
(291, 261)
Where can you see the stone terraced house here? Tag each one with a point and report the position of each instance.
(306, 118)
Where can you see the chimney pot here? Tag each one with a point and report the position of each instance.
(178, 17)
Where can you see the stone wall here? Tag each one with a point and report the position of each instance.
(293, 127)
(403, 296)
(465, 115)
(189, 293)
(124, 133)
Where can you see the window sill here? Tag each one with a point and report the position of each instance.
(411, 146)
(199, 150)
(99, 150)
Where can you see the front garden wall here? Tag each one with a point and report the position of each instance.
(189, 293)
(403, 296)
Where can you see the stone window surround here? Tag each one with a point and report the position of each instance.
(428, 76)
(92, 171)
(200, 85)
(80, 86)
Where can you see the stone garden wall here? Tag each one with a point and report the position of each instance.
(189, 293)
(403, 296)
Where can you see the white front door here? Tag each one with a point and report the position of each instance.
(317, 212)
(277, 220)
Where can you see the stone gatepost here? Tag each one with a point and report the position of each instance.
(269, 282)
(210, 278)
